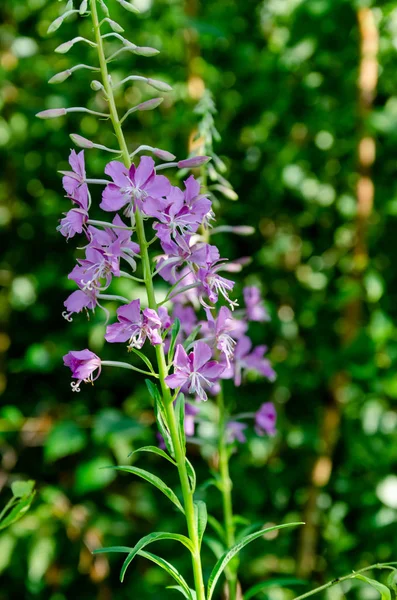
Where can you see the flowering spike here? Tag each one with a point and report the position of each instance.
(194, 161)
(51, 113)
(60, 77)
(128, 6)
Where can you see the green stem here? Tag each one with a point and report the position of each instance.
(344, 578)
(162, 366)
(226, 489)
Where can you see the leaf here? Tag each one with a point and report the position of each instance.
(144, 359)
(153, 391)
(384, 591)
(191, 473)
(64, 439)
(180, 418)
(92, 475)
(154, 450)
(200, 509)
(148, 539)
(179, 589)
(227, 557)
(18, 511)
(282, 582)
(154, 480)
(171, 570)
(190, 339)
(217, 547)
(174, 334)
(22, 488)
(162, 424)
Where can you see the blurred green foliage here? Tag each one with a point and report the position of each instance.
(284, 77)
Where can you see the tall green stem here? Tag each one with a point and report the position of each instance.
(162, 366)
(226, 489)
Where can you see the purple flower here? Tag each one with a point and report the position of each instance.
(115, 238)
(218, 332)
(265, 419)
(76, 218)
(132, 187)
(244, 359)
(95, 271)
(195, 370)
(79, 300)
(214, 284)
(134, 326)
(83, 364)
(254, 305)
(186, 316)
(74, 179)
(234, 432)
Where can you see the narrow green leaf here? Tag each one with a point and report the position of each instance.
(153, 391)
(217, 547)
(154, 450)
(191, 473)
(149, 539)
(171, 570)
(282, 582)
(124, 549)
(217, 527)
(384, 591)
(180, 418)
(200, 509)
(227, 557)
(154, 480)
(174, 334)
(190, 339)
(144, 359)
(162, 425)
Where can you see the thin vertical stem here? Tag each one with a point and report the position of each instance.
(226, 489)
(162, 366)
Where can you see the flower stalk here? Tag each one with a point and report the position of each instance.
(161, 362)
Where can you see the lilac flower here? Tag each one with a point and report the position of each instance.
(164, 317)
(214, 284)
(244, 359)
(95, 271)
(218, 332)
(134, 326)
(234, 432)
(79, 300)
(265, 419)
(132, 187)
(254, 305)
(186, 316)
(195, 370)
(114, 238)
(198, 203)
(83, 364)
(76, 218)
(73, 179)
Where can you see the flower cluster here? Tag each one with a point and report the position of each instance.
(208, 349)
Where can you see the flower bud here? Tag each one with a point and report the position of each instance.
(83, 7)
(128, 6)
(115, 26)
(163, 154)
(145, 51)
(243, 230)
(194, 161)
(81, 141)
(60, 77)
(149, 104)
(161, 86)
(96, 85)
(55, 24)
(65, 47)
(51, 113)
(227, 192)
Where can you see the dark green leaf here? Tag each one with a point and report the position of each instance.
(144, 358)
(171, 570)
(227, 557)
(149, 539)
(180, 417)
(17, 511)
(191, 473)
(200, 509)
(154, 480)
(190, 339)
(174, 334)
(154, 450)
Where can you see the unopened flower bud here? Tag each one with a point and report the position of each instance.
(65, 47)
(60, 77)
(83, 7)
(81, 141)
(96, 85)
(227, 192)
(115, 26)
(128, 6)
(194, 161)
(146, 51)
(55, 24)
(161, 86)
(51, 113)
(163, 154)
(243, 230)
(150, 104)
